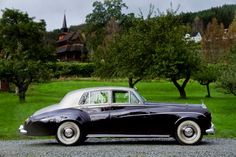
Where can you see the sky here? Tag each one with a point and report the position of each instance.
(52, 11)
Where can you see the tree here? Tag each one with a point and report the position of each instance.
(228, 73)
(97, 21)
(207, 75)
(197, 25)
(176, 57)
(214, 43)
(224, 14)
(128, 55)
(231, 34)
(24, 54)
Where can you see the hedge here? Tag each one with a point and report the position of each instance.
(68, 69)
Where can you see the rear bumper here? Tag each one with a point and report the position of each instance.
(211, 130)
(22, 130)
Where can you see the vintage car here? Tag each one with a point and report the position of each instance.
(118, 112)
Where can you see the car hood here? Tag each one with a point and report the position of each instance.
(48, 109)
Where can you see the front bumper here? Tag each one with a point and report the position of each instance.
(211, 130)
(22, 130)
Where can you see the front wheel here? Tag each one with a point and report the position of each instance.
(69, 133)
(188, 132)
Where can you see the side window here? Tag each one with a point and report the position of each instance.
(120, 97)
(84, 99)
(133, 99)
(99, 97)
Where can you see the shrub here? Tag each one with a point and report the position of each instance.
(68, 69)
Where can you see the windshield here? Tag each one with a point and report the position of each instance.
(140, 97)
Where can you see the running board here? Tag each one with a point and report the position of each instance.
(127, 136)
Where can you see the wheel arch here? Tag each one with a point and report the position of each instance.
(182, 119)
(79, 117)
(195, 116)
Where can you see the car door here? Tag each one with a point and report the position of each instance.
(97, 105)
(128, 115)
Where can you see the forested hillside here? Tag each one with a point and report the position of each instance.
(224, 14)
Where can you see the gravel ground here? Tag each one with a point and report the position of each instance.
(119, 147)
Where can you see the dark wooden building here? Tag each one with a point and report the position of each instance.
(71, 45)
(4, 85)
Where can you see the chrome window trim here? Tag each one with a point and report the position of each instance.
(110, 103)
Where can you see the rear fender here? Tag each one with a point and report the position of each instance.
(76, 115)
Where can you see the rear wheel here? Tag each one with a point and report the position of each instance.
(69, 133)
(188, 132)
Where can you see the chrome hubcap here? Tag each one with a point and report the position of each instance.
(68, 132)
(188, 131)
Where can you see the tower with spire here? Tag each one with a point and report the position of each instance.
(64, 29)
(64, 25)
(71, 45)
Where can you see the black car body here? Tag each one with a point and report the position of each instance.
(117, 112)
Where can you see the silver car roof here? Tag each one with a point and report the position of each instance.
(71, 98)
(101, 88)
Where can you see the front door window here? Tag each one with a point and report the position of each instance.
(120, 97)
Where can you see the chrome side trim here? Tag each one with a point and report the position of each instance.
(176, 112)
(212, 129)
(22, 130)
(127, 136)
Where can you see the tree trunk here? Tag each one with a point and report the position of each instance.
(208, 90)
(131, 83)
(181, 88)
(21, 93)
(182, 93)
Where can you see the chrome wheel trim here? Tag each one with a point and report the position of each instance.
(189, 132)
(68, 133)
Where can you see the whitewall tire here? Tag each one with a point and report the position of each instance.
(188, 132)
(69, 133)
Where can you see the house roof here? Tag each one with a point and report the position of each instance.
(71, 36)
(70, 48)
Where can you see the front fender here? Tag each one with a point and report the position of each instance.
(199, 118)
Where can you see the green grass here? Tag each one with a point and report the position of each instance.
(13, 113)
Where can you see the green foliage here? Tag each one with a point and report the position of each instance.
(175, 57)
(68, 69)
(228, 80)
(228, 76)
(224, 14)
(154, 47)
(208, 74)
(23, 51)
(97, 21)
(104, 11)
(129, 55)
(52, 37)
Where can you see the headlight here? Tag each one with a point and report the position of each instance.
(203, 105)
(27, 120)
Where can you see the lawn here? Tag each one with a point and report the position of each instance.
(12, 113)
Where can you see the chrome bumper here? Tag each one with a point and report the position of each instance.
(212, 130)
(22, 130)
